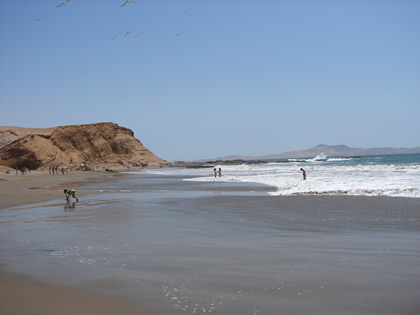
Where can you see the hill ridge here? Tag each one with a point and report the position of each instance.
(329, 150)
(99, 143)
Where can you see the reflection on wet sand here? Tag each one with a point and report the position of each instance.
(195, 249)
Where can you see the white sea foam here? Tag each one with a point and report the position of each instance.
(333, 177)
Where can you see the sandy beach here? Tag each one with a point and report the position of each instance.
(39, 186)
(23, 295)
(143, 244)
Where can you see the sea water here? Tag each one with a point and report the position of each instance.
(376, 175)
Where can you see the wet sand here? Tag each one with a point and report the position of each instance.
(24, 295)
(179, 247)
(39, 186)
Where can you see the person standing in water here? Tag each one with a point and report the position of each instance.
(71, 192)
(303, 173)
(220, 172)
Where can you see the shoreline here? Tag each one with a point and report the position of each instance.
(23, 295)
(38, 186)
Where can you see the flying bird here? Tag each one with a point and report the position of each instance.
(187, 11)
(63, 3)
(40, 19)
(114, 37)
(127, 1)
(138, 35)
(179, 34)
(129, 32)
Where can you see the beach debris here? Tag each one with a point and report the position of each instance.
(63, 3)
(179, 34)
(187, 11)
(127, 1)
(40, 19)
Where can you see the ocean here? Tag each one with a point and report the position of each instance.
(258, 240)
(376, 175)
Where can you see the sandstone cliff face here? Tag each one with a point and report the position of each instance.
(94, 144)
(10, 134)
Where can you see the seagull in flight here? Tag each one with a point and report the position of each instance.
(127, 1)
(63, 3)
(114, 37)
(129, 32)
(138, 35)
(187, 11)
(40, 19)
(179, 34)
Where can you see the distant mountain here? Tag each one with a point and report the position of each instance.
(328, 150)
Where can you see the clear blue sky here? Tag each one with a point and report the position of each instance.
(244, 77)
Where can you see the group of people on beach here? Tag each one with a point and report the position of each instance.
(23, 170)
(217, 172)
(54, 170)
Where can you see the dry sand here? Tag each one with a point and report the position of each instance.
(21, 295)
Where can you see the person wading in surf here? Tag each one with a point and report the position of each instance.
(303, 173)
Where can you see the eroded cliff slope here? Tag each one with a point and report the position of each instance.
(94, 144)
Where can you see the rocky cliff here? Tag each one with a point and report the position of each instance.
(94, 144)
